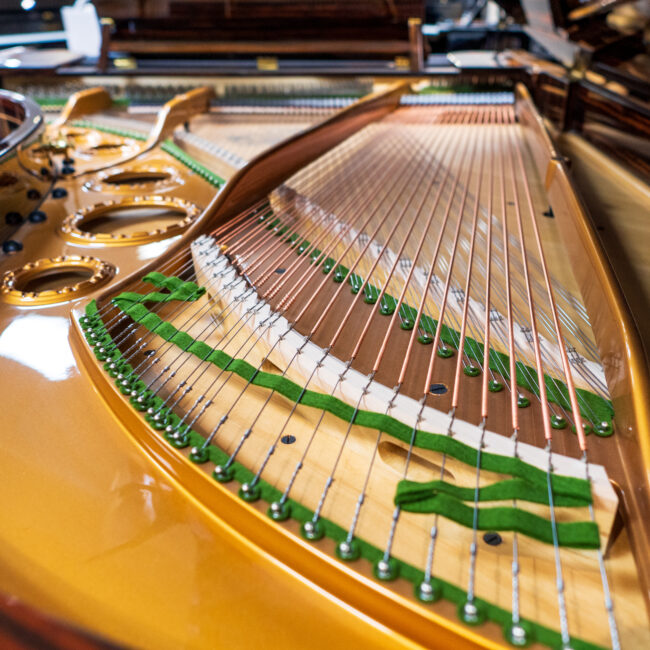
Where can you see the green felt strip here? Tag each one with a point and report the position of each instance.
(123, 133)
(574, 534)
(178, 290)
(369, 552)
(593, 407)
(416, 495)
(60, 102)
(563, 486)
(182, 156)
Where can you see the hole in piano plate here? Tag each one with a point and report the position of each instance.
(420, 468)
(110, 148)
(106, 146)
(70, 133)
(54, 279)
(438, 389)
(124, 221)
(136, 177)
(7, 179)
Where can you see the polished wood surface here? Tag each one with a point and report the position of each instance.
(24, 628)
(84, 102)
(618, 205)
(369, 28)
(260, 47)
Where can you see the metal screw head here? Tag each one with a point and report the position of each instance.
(13, 218)
(492, 538)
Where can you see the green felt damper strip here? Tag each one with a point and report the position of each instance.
(369, 552)
(123, 133)
(60, 102)
(579, 534)
(183, 157)
(592, 406)
(178, 290)
(415, 494)
(138, 312)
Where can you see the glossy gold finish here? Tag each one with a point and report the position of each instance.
(84, 102)
(350, 584)
(101, 536)
(73, 228)
(12, 281)
(176, 111)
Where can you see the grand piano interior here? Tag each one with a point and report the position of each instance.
(477, 173)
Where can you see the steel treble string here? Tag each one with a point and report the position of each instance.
(578, 422)
(341, 257)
